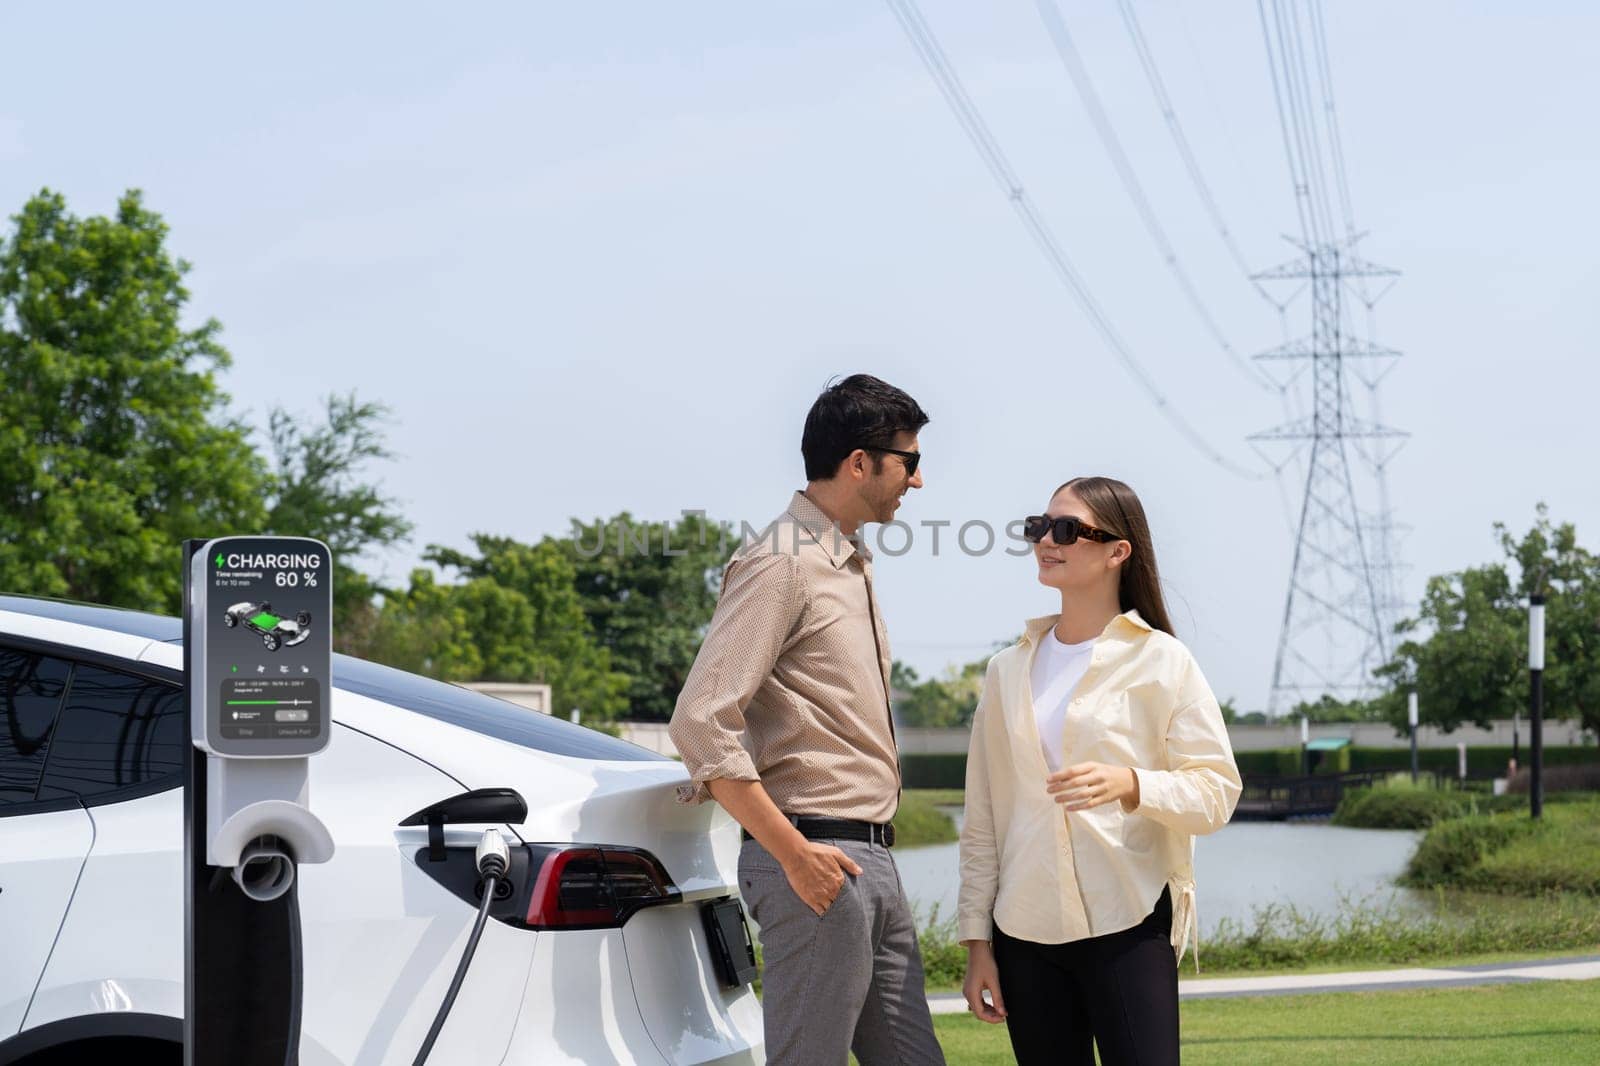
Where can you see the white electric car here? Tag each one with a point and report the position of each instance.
(600, 955)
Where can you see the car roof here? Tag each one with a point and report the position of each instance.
(438, 700)
(116, 619)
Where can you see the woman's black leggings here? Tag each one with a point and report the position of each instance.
(1119, 991)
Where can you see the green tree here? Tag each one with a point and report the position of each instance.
(948, 702)
(1462, 652)
(648, 590)
(1230, 712)
(114, 439)
(1466, 651)
(422, 628)
(1549, 559)
(1332, 709)
(525, 621)
(318, 491)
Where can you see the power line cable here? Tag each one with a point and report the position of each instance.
(1301, 189)
(972, 124)
(1191, 163)
(1296, 92)
(1056, 27)
(1325, 70)
(1247, 176)
(1303, 97)
(1169, 114)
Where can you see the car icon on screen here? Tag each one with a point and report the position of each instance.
(276, 631)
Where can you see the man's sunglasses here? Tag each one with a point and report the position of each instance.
(911, 458)
(1065, 529)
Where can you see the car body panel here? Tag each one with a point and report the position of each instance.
(136, 869)
(584, 800)
(162, 653)
(381, 937)
(41, 857)
(579, 1005)
(668, 949)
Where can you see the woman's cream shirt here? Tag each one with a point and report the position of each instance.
(1049, 875)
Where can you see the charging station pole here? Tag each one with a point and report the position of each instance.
(257, 656)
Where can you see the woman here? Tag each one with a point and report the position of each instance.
(1098, 753)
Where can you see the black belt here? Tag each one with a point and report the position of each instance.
(841, 829)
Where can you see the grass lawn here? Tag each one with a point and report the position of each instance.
(1546, 1022)
(918, 822)
(1479, 959)
(1445, 963)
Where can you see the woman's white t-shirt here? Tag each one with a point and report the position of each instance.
(1057, 669)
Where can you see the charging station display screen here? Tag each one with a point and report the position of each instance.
(261, 622)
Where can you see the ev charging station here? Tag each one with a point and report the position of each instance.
(258, 655)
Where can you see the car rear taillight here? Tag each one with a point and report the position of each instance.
(590, 887)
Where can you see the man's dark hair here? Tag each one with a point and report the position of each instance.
(858, 412)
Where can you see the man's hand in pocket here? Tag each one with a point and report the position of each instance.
(816, 872)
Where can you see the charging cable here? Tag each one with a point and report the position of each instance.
(493, 860)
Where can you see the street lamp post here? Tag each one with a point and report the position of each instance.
(1536, 698)
(1411, 719)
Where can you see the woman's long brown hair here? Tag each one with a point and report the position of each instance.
(1116, 509)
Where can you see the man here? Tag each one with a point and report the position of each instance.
(784, 720)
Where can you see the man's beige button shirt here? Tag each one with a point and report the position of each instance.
(791, 686)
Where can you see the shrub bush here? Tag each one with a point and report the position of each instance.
(918, 822)
(1367, 931)
(1559, 853)
(1511, 854)
(1581, 778)
(1481, 761)
(944, 960)
(1400, 808)
(1512, 801)
(1370, 930)
(1258, 763)
(1451, 851)
(933, 771)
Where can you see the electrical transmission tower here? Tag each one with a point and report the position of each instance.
(1344, 591)
(1342, 598)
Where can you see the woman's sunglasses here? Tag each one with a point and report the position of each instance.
(1065, 529)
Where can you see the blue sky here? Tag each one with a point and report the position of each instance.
(599, 257)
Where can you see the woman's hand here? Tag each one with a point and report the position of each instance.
(982, 973)
(1090, 784)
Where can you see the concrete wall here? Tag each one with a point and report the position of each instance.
(652, 735)
(1380, 735)
(915, 741)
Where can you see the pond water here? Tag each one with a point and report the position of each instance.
(1241, 867)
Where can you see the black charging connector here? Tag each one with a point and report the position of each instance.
(493, 860)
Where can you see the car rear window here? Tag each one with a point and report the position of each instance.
(31, 687)
(115, 732)
(482, 714)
